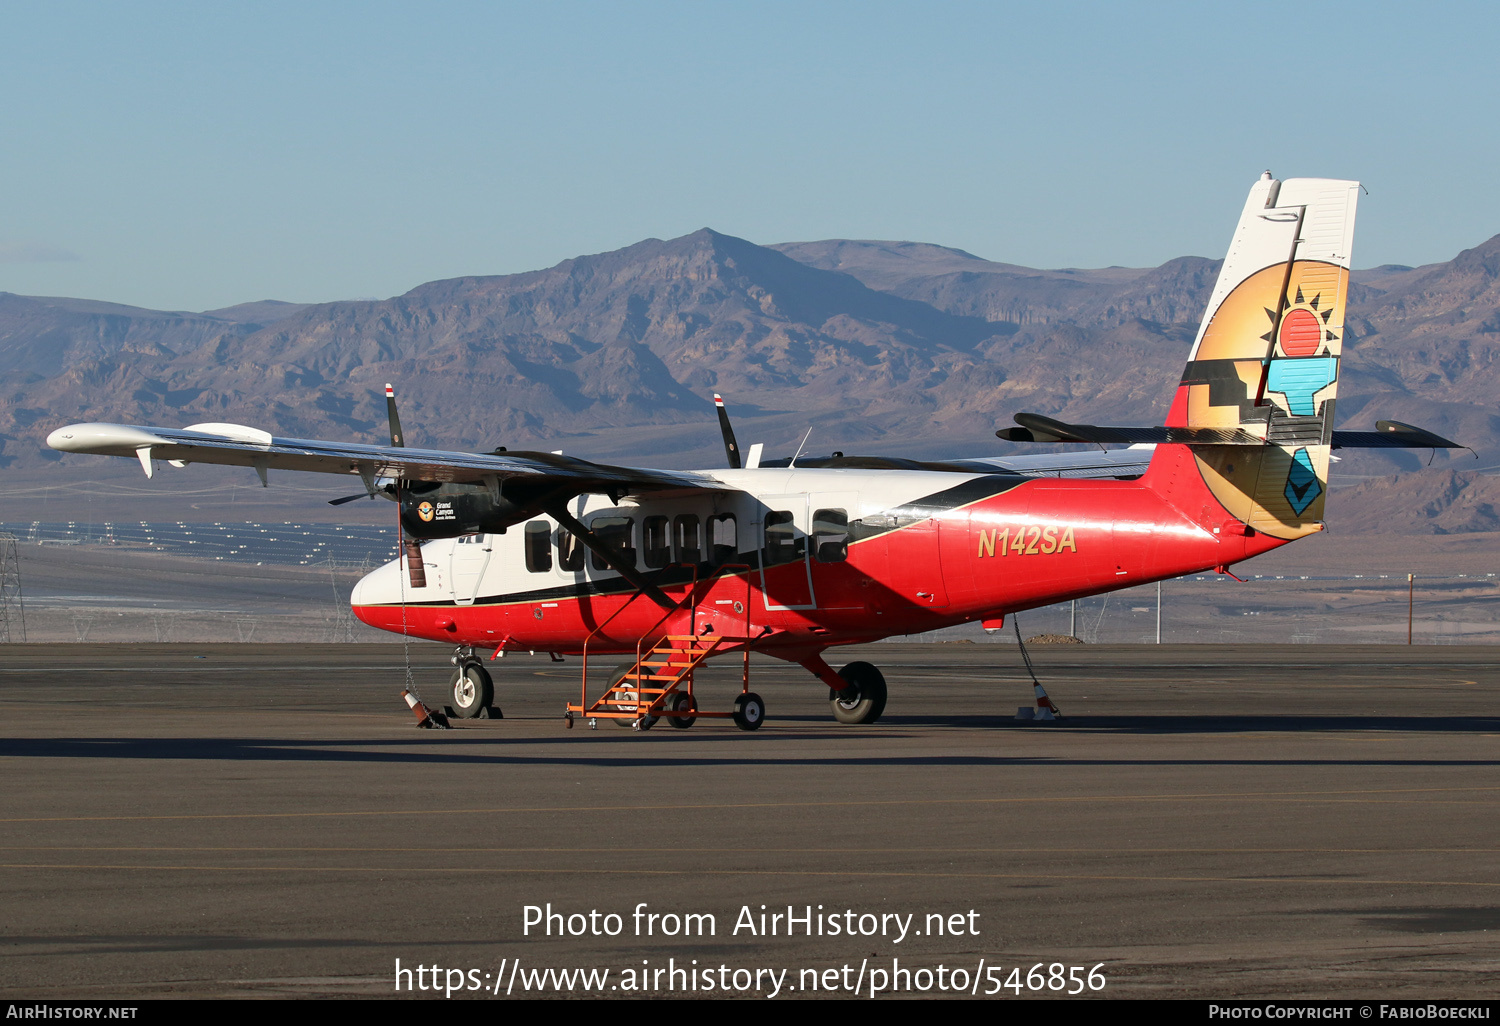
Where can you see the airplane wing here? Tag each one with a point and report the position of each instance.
(240, 446)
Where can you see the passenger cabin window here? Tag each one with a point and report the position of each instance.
(569, 552)
(783, 544)
(723, 540)
(657, 542)
(615, 532)
(538, 547)
(830, 532)
(687, 536)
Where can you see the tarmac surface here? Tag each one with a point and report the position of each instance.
(1206, 821)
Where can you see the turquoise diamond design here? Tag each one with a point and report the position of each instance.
(1302, 482)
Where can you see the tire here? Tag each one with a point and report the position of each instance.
(626, 698)
(749, 711)
(472, 689)
(682, 702)
(863, 700)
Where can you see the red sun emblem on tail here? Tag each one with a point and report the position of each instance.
(1304, 327)
(1301, 332)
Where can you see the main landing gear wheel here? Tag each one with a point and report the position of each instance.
(863, 699)
(627, 700)
(749, 711)
(473, 690)
(678, 705)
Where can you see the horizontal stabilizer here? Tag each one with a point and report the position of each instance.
(1392, 434)
(1389, 434)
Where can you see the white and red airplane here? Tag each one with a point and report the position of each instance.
(544, 552)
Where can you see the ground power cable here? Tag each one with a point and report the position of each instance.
(402, 552)
(1041, 693)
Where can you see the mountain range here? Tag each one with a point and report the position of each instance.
(893, 347)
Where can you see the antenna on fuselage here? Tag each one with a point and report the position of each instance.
(731, 447)
(799, 448)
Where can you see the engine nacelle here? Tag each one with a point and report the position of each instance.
(433, 509)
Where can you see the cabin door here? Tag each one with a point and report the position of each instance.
(471, 554)
(785, 577)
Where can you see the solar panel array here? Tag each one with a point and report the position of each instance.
(1444, 609)
(284, 543)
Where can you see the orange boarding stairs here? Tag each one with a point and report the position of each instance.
(660, 680)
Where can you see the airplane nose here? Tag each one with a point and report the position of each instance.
(60, 438)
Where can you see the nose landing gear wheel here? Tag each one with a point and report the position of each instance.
(863, 700)
(680, 710)
(473, 690)
(749, 711)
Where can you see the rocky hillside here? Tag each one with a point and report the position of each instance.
(1425, 502)
(896, 347)
(638, 336)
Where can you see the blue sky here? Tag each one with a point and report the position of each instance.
(190, 156)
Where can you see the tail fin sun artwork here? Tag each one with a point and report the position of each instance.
(536, 551)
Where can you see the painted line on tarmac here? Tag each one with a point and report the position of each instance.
(1300, 797)
(469, 850)
(214, 667)
(1320, 881)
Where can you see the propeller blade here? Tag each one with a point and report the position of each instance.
(731, 447)
(390, 408)
(351, 498)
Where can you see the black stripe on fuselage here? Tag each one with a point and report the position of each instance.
(959, 495)
(871, 526)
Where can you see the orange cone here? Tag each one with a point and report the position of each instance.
(1044, 704)
(429, 719)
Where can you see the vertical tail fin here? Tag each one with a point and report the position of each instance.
(1264, 368)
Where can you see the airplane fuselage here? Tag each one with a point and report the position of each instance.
(806, 559)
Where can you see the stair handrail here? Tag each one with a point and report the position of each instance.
(692, 587)
(693, 625)
(691, 596)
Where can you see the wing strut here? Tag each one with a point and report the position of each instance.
(592, 542)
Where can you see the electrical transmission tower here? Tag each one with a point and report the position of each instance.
(342, 627)
(12, 606)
